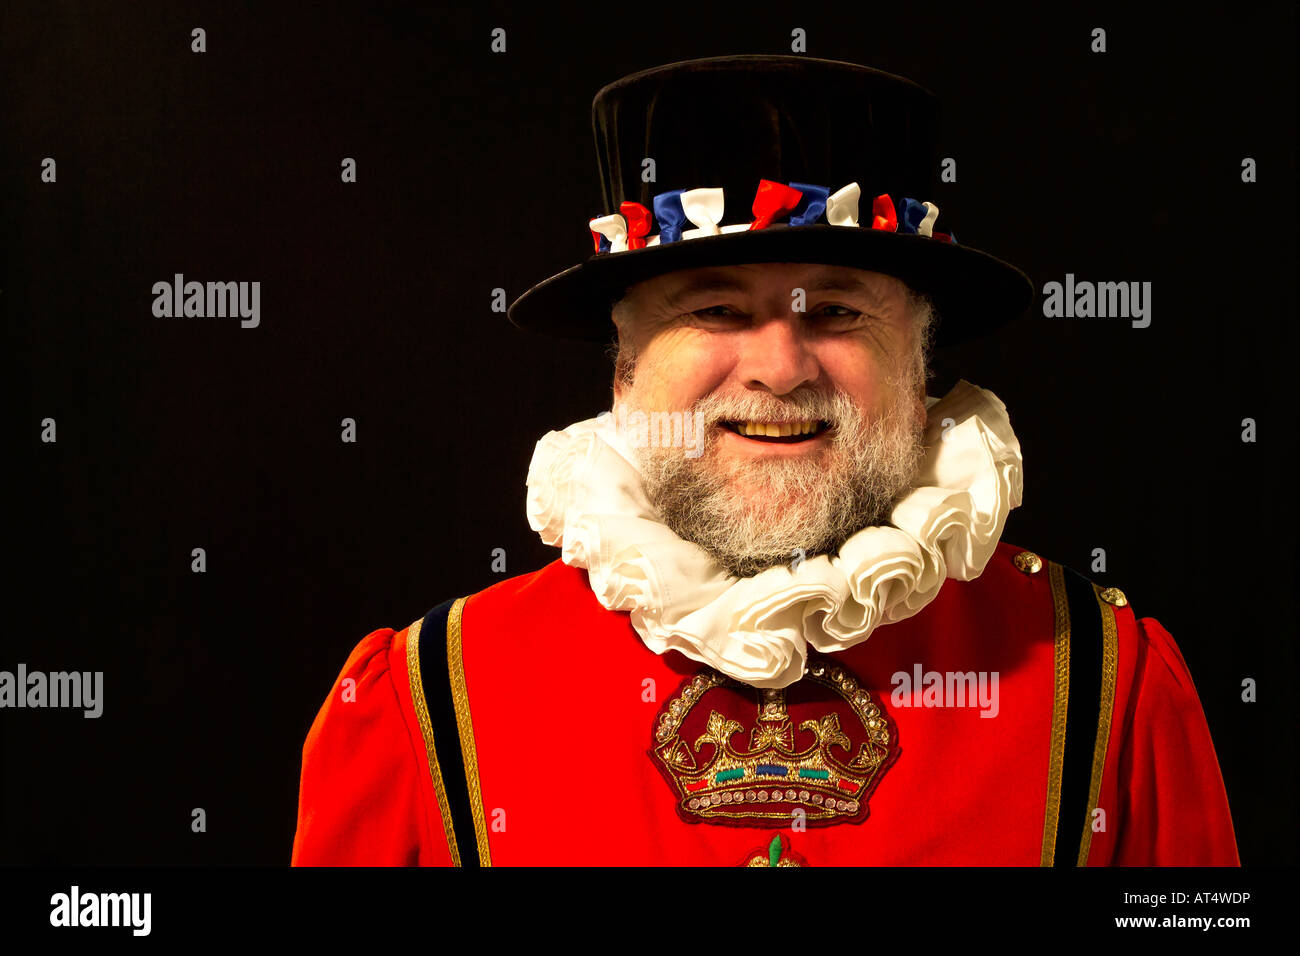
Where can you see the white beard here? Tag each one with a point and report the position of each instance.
(752, 515)
(587, 496)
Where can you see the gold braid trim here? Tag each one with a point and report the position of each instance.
(426, 730)
(1060, 701)
(460, 697)
(1109, 666)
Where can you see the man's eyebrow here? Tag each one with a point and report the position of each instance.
(704, 284)
(848, 284)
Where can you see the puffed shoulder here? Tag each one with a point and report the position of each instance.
(1176, 810)
(369, 663)
(361, 800)
(1164, 661)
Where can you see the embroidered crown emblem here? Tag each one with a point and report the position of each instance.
(823, 761)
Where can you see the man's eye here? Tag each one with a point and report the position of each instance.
(836, 315)
(716, 315)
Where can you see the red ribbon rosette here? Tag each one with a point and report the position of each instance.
(638, 223)
(882, 213)
(772, 200)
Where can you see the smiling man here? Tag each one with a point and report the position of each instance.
(811, 410)
(800, 639)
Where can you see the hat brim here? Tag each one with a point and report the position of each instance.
(972, 291)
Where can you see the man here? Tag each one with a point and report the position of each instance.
(692, 682)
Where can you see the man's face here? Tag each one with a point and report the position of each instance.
(827, 355)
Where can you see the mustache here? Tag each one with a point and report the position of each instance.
(834, 408)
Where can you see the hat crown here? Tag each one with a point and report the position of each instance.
(730, 121)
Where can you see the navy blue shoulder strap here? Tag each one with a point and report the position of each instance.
(435, 677)
(1083, 713)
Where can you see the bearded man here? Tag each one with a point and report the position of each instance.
(692, 681)
(846, 377)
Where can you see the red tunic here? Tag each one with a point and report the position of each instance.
(557, 717)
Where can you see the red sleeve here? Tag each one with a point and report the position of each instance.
(1174, 808)
(362, 800)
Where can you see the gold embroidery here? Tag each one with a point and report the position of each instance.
(1109, 665)
(460, 697)
(767, 780)
(426, 730)
(1060, 700)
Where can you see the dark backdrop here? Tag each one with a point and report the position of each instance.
(477, 171)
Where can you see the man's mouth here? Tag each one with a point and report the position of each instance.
(785, 433)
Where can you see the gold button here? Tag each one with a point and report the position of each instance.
(1114, 596)
(1028, 562)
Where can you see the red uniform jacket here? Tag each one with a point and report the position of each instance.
(1023, 718)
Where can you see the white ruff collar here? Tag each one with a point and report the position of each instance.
(585, 495)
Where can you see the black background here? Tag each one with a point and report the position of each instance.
(477, 171)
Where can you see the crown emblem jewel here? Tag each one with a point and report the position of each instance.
(741, 755)
(776, 853)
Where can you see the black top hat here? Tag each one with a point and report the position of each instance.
(770, 159)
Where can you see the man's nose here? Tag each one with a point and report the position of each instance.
(776, 355)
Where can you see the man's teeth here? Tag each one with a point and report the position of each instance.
(776, 429)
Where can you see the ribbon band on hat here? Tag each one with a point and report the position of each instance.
(800, 204)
